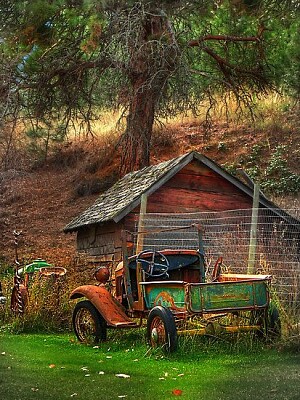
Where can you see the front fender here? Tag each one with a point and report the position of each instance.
(110, 309)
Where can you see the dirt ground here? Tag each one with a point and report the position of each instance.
(41, 200)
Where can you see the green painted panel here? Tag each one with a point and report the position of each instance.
(171, 296)
(218, 296)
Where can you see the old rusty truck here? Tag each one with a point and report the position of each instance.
(170, 293)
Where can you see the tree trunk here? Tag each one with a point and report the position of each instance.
(137, 137)
(153, 58)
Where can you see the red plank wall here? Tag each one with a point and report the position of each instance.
(197, 188)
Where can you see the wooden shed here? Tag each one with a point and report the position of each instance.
(189, 183)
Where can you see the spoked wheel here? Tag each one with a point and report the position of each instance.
(161, 329)
(89, 325)
(269, 320)
(273, 330)
(257, 317)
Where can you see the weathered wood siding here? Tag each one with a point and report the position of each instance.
(194, 188)
(197, 188)
(101, 242)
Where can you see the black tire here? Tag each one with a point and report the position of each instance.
(89, 325)
(258, 317)
(161, 329)
(270, 323)
(273, 329)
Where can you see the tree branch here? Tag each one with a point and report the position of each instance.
(226, 38)
(224, 63)
(229, 38)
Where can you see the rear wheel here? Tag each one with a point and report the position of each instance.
(269, 321)
(161, 329)
(88, 323)
(273, 328)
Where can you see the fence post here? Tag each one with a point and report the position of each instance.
(139, 305)
(253, 230)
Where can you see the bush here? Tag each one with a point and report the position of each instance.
(277, 178)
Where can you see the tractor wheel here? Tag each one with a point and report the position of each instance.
(88, 323)
(161, 329)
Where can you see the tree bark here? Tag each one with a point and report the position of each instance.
(137, 137)
(149, 72)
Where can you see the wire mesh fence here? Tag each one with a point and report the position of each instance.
(276, 245)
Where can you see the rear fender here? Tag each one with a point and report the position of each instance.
(110, 309)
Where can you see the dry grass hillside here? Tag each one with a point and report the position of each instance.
(40, 198)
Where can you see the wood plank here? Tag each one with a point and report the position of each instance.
(155, 186)
(181, 200)
(108, 227)
(103, 240)
(105, 258)
(101, 250)
(197, 168)
(214, 183)
(139, 304)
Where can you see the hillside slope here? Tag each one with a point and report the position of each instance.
(40, 201)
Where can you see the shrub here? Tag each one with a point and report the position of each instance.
(277, 178)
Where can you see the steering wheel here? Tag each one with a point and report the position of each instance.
(217, 269)
(152, 268)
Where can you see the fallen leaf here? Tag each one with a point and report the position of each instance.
(177, 392)
(122, 376)
(52, 366)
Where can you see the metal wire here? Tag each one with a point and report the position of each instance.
(227, 234)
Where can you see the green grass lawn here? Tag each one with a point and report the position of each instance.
(58, 367)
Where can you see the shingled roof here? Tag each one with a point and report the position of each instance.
(126, 194)
(127, 191)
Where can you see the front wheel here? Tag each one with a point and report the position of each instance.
(161, 329)
(88, 323)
